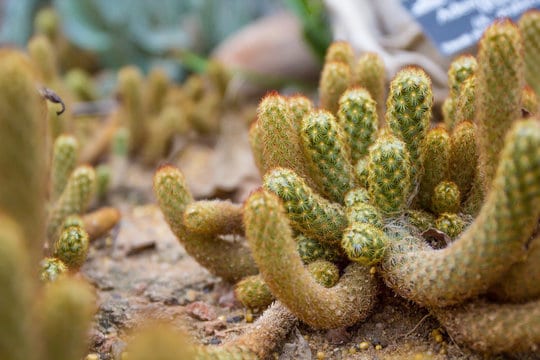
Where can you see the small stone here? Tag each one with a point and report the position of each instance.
(212, 326)
(172, 301)
(378, 347)
(214, 341)
(320, 355)
(364, 345)
(235, 319)
(92, 357)
(201, 311)
(191, 295)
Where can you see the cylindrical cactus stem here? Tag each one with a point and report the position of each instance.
(462, 164)
(72, 247)
(435, 154)
(450, 224)
(521, 283)
(461, 69)
(446, 198)
(65, 154)
(43, 56)
(493, 328)
(278, 138)
(357, 115)
(356, 196)
(389, 175)
(448, 109)
(408, 111)
(229, 260)
(160, 133)
(324, 272)
(66, 311)
(23, 153)
(311, 250)
(499, 81)
(369, 73)
(130, 91)
(328, 155)
(100, 221)
(17, 337)
(529, 102)
(465, 108)
(335, 79)
(74, 200)
(155, 92)
(300, 106)
(253, 292)
(364, 213)
(340, 51)
(256, 145)
(103, 181)
(529, 25)
(364, 243)
(490, 245)
(80, 84)
(309, 213)
(270, 238)
(214, 217)
(361, 172)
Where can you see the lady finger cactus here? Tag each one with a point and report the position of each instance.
(300, 106)
(389, 174)
(327, 153)
(446, 198)
(72, 247)
(51, 269)
(529, 25)
(335, 79)
(130, 91)
(369, 72)
(487, 249)
(529, 102)
(357, 115)
(450, 224)
(500, 80)
(311, 250)
(340, 51)
(461, 69)
(309, 213)
(229, 260)
(253, 292)
(214, 217)
(272, 244)
(74, 200)
(364, 243)
(65, 153)
(463, 157)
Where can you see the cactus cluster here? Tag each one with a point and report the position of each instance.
(340, 184)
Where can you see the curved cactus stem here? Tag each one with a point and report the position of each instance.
(214, 217)
(270, 238)
(487, 249)
(229, 260)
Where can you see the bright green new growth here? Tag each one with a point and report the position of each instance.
(278, 138)
(340, 51)
(72, 247)
(492, 328)
(500, 80)
(364, 243)
(213, 217)
(300, 106)
(74, 200)
(356, 196)
(16, 341)
(486, 250)
(357, 115)
(529, 24)
(364, 213)
(389, 174)
(461, 69)
(51, 269)
(369, 73)
(446, 198)
(361, 172)
(324, 272)
(23, 149)
(408, 111)
(130, 91)
(450, 224)
(65, 154)
(229, 260)
(66, 313)
(253, 292)
(311, 250)
(335, 79)
(463, 157)
(436, 153)
(309, 213)
(327, 153)
(271, 241)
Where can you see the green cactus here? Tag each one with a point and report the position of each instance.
(461, 69)
(369, 72)
(155, 90)
(529, 24)
(72, 247)
(420, 219)
(327, 153)
(356, 196)
(23, 148)
(436, 154)
(364, 213)
(324, 272)
(389, 175)
(361, 172)
(231, 261)
(130, 92)
(253, 292)
(335, 79)
(309, 213)
(466, 102)
(214, 217)
(486, 250)
(103, 181)
(80, 83)
(256, 145)
(357, 115)
(43, 56)
(500, 80)
(450, 224)
(529, 101)
(446, 198)
(408, 111)
(270, 239)
(311, 250)
(299, 106)
(65, 154)
(463, 157)
(75, 198)
(340, 51)
(51, 269)
(364, 243)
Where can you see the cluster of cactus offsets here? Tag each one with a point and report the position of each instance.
(336, 188)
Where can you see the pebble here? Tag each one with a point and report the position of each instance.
(364, 345)
(201, 311)
(235, 319)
